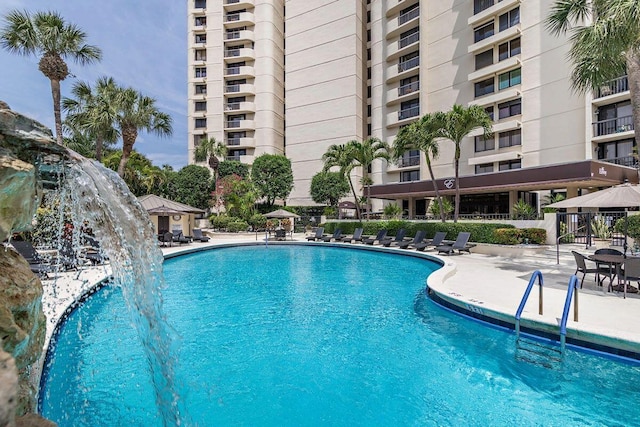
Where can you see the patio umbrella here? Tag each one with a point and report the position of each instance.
(164, 210)
(281, 213)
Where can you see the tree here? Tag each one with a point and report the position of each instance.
(138, 112)
(363, 154)
(140, 175)
(272, 177)
(239, 196)
(340, 156)
(233, 167)
(192, 185)
(46, 34)
(423, 135)
(604, 49)
(328, 187)
(94, 111)
(458, 123)
(210, 149)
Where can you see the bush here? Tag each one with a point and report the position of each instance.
(536, 236)
(220, 222)
(257, 221)
(508, 236)
(237, 225)
(632, 228)
(447, 206)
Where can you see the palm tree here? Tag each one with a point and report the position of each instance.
(458, 123)
(363, 154)
(340, 156)
(46, 34)
(423, 135)
(211, 149)
(138, 112)
(94, 111)
(605, 48)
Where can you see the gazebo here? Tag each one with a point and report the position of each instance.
(167, 215)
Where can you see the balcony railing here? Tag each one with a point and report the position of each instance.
(231, 1)
(408, 16)
(233, 158)
(233, 124)
(233, 141)
(410, 39)
(409, 112)
(621, 84)
(629, 161)
(404, 162)
(607, 127)
(232, 106)
(231, 36)
(407, 65)
(232, 17)
(408, 88)
(232, 70)
(232, 88)
(231, 53)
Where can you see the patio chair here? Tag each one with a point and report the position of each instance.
(631, 273)
(435, 242)
(37, 265)
(317, 236)
(281, 234)
(397, 239)
(167, 237)
(379, 237)
(337, 235)
(180, 238)
(197, 235)
(581, 266)
(418, 238)
(356, 237)
(461, 245)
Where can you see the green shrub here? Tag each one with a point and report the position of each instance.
(632, 228)
(523, 210)
(237, 225)
(447, 206)
(536, 236)
(392, 211)
(508, 236)
(220, 222)
(257, 221)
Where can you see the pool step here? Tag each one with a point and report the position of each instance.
(538, 353)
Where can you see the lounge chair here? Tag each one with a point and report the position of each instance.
(93, 252)
(435, 242)
(281, 234)
(379, 237)
(581, 266)
(317, 236)
(36, 263)
(395, 240)
(180, 238)
(197, 235)
(461, 245)
(166, 237)
(356, 237)
(337, 235)
(418, 238)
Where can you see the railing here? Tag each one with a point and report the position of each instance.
(232, 17)
(231, 36)
(232, 158)
(485, 217)
(232, 52)
(404, 162)
(536, 275)
(410, 39)
(629, 161)
(408, 16)
(588, 229)
(201, 57)
(607, 127)
(201, 39)
(233, 141)
(232, 88)
(408, 88)
(232, 70)
(621, 84)
(571, 292)
(232, 1)
(233, 124)
(409, 112)
(407, 65)
(232, 106)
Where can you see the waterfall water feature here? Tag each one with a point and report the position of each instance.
(93, 196)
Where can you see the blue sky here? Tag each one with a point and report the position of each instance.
(143, 46)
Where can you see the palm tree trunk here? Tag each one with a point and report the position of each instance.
(355, 197)
(127, 148)
(633, 77)
(55, 93)
(456, 208)
(435, 188)
(99, 144)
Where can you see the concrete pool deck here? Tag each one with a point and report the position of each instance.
(477, 283)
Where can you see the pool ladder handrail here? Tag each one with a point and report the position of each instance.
(573, 286)
(536, 275)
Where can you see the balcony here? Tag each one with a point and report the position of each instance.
(629, 161)
(613, 126)
(404, 46)
(239, 142)
(241, 89)
(244, 53)
(611, 92)
(395, 6)
(403, 93)
(239, 106)
(408, 88)
(243, 71)
(237, 4)
(403, 23)
(495, 68)
(409, 113)
(239, 35)
(243, 18)
(239, 124)
(403, 69)
(498, 8)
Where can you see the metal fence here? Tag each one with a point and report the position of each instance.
(585, 227)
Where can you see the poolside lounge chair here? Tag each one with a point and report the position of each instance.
(36, 263)
(395, 240)
(197, 235)
(317, 236)
(418, 238)
(356, 237)
(461, 245)
(337, 235)
(379, 237)
(180, 238)
(435, 242)
(281, 234)
(166, 237)
(581, 266)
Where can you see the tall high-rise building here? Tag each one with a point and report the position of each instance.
(296, 76)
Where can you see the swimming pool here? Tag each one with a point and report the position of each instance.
(298, 335)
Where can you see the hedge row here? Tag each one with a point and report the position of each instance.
(505, 234)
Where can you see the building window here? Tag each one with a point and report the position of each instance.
(618, 152)
(235, 154)
(510, 108)
(489, 111)
(482, 144)
(484, 168)
(201, 54)
(614, 118)
(484, 59)
(201, 38)
(408, 61)
(409, 37)
(201, 89)
(409, 85)
(368, 72)
(409, 109)
(482, 32)
(201, 123)
(480, 5)
(484, 87)
(409, 13)
(201, 71)
(201, 20)
(368, 35)
(369, 129)
(201, 106)
(509, 19)
(509, 49)
(200, 4)
(368, 110)
(510, 164)
(234, 138)
(197, 139)
(508, 79)
(409, 158)
(510, 138)
(409, 176)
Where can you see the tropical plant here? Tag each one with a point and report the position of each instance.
(549, 199)
(392, 211)
(599, 228)
(423, 135)
(363, 154)
(46, 34)
(238, 196)
(210, 149)
(140, 175)
(192, 186)
(437, 207)
(339, 156)
(328, 188)
(629, 226)
(94, 111)
(523, 210)
(232, 167)
(604, 43)
(272, 177)
(458, 123)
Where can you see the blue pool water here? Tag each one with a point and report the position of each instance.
(299, 335)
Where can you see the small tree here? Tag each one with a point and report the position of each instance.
(232, 167)
(328, 188)
(272, 177)
(193, 185)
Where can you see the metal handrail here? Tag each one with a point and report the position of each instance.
(536, 275)
(573, 286)
(565, 235)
